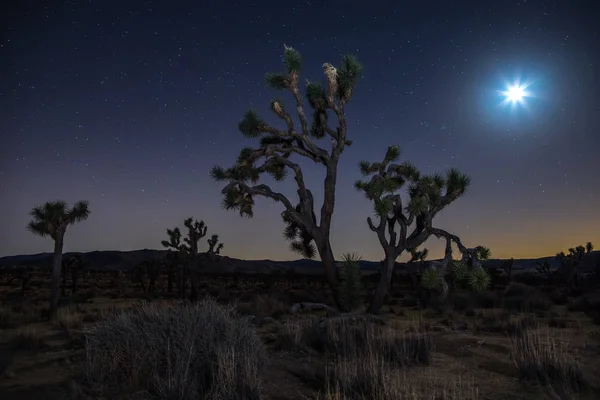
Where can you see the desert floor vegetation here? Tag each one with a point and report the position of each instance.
(244, 342)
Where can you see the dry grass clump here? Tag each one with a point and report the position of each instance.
(546, 361)
(365, 359)
(27, 338)
(504, 323)
(189, 351)
(370, 379)
(351, 338)
(13, 317)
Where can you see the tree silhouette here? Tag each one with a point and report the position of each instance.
(52, 219)
(428, 195)
(174, 262)
(212, 242)
(274, 155)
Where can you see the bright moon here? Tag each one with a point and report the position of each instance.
(515, 94)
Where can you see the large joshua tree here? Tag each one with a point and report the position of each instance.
(273, 155)
(52, 219)
(428, 195)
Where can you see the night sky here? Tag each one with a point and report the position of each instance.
(129, 104)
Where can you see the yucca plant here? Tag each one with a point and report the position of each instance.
(350, 289)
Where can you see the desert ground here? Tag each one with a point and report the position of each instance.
(522, 339)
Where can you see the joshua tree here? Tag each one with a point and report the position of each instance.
(350, 290)
(187, 252)
(212, 242)
(273, 156)
(71, 266)
(428, 195)
(174, 262)
(52, 219)
(544, 269)
(507, 266)
(196, 231)
(417, 259)
(569, 269)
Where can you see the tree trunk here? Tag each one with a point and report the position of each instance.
(55, 280)
(382, 287)
(170, 273)
(328, 260)
(63, 289)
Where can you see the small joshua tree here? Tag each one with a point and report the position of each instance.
(273, 156)
(188, 250)
(71, 266)
(569, 269)
(507, 266)
(350, 290)
(52, 219)
(212, 242)
(544, 269)
(174, 262)
(196, 231)
(428, 195)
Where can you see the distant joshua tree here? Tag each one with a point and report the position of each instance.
(273, 155)
(569, 271)
(52, 219)
(71, 266)
(428, 195)
(212, 242)
(187, 251)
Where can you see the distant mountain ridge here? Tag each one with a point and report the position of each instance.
(113, 260)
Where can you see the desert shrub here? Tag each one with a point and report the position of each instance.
(190, 351)
(409, 301)
(264, 306)
(486, 299)
(529, 278)
(345, 338)
(504, 324)
(370, 377)
(546, 361)
(520, 297)
(556, 322)
(461, 301)
(577, 304)
(350, 288)
(27, 338)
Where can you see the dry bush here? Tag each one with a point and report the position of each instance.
(505, 324)
(189, 351)
(371, 379)
(520, 297)
(360, 338)
(12, 317)
(27, 338)
(264, 306)
(371, 366)
(546, 361)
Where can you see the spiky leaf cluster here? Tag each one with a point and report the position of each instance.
(174, 241)
(462, 276)
(386, 179)
(301, 241)
(350, 288)
(431, 193)
(428, 194)
(418, 255)
(52, 218)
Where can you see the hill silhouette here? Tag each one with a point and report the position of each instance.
(124, 260)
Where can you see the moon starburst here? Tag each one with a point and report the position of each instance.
(515, 94)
